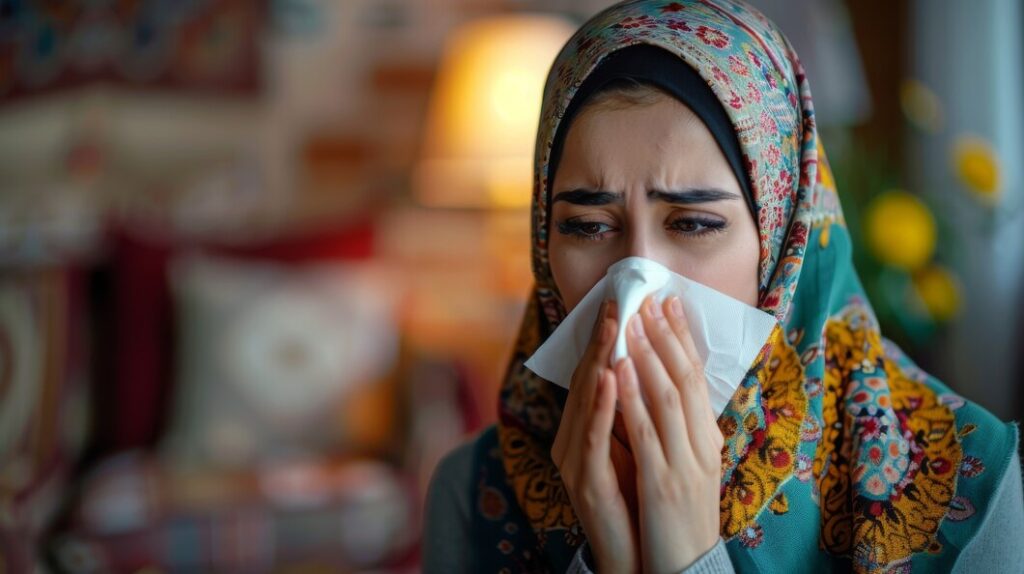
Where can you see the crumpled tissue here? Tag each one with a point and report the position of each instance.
(727, 333)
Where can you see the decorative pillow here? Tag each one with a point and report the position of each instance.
(135, 323)
(271, 358)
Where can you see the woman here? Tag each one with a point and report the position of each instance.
(683, 131)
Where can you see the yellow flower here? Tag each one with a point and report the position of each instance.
(900, 230)
(939, 290)
(977, 166)
(921, 106)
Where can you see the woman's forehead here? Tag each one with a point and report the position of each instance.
(660, 140)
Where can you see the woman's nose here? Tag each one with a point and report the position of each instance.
(639, 243)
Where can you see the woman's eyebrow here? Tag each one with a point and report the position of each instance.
(692, 195)
(679, 197)
(588, 197)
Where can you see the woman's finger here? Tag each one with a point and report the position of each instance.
(566, 448)
(676, 316)
(597, 342)
(673, 308)
(669, 344)
(587, 469)
(597, 446)
(643, 436)
(596, 357)
(567, 428)
(663, 394)
(704, 432)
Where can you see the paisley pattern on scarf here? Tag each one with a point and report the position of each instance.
(888, 465)
(836, 443)
(527, 461)
(540, 492)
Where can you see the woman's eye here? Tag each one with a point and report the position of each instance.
(596, 230)
(588, 230)
(696, 226)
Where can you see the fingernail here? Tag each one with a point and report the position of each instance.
(677, 306)
(636, 325)
(606, 331)
(654, 308)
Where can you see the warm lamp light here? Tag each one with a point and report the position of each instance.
(483, 114)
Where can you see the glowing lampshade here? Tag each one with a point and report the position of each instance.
(483, 114)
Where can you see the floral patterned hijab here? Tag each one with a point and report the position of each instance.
(839, 452)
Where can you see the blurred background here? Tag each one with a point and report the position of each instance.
(262, 261)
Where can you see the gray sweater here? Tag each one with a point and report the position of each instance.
(447, 541)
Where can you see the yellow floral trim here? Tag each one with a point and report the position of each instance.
(769, 458)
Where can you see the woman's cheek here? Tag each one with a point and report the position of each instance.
(575, 272)
(731, 271)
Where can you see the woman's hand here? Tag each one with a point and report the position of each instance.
(674, 438)
(582, 453)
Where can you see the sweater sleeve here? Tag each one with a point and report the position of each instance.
(998, 541)
(714, 561)
(446, 538)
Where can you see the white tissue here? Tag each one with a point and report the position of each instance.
(728, 333)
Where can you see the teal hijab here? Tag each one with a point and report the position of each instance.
(840, 453)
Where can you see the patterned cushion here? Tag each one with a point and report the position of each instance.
(277, 360)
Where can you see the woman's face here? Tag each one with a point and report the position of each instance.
(649, 180)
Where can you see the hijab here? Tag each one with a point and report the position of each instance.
(840, 453)
(647, 64)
